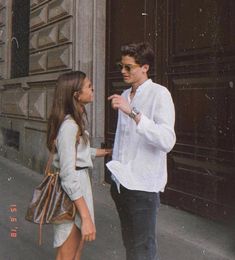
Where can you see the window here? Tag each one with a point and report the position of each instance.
(11, 138)
(20, 38)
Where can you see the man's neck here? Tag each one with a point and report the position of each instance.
(136, 85)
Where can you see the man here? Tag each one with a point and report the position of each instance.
(144, 136)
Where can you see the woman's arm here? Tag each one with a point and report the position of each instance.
(88, 229)
(103, 152)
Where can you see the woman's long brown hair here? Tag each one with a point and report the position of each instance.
(65, 103)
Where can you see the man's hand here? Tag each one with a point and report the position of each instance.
(119, 102)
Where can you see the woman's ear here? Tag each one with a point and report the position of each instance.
(76, 95)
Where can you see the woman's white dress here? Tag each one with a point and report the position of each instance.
(76, 183)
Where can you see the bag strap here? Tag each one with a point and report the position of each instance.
(49, 162)
(43, 214)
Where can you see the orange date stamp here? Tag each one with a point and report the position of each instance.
(13, 220)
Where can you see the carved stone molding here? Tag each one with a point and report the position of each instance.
(38, 17)
(51, 36)
(47, 37)
(33, 42)
(41, 1)
(38, 62)
(33, 3)
(59, 58)
(15, 102)
(59, 8)
(50, 94)
(65, 33)
(37, 103)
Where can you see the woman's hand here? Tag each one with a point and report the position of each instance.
(103, 152)
(88, 229)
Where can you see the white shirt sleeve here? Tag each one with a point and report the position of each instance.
(160, 131)
(116, 148)
(66, 141)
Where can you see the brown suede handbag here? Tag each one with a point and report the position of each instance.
(50, 203)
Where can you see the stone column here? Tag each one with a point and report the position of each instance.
(90, 58)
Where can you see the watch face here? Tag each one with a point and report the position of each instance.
(135, 111)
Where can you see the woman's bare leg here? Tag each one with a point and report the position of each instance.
(79, 251)
(68, 251)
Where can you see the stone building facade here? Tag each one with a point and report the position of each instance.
(62, 35)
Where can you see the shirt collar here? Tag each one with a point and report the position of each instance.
(142, 86)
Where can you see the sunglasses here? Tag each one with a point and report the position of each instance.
(127, 67)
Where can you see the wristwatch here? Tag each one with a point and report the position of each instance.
(134, 112)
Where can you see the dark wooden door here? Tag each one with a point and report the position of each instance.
(199, 70)
(194, 43)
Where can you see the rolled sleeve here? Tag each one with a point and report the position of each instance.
(93, 153)
(160, 130)
(66, 141)
(72, 188)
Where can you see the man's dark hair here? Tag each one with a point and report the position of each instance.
(142, 52)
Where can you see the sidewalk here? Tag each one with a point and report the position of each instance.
(180, 234)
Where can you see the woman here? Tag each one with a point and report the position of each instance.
(69, 138)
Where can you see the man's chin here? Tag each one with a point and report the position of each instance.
(127, 80)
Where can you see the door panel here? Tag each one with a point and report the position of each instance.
(200, 74)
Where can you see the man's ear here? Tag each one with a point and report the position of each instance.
(145, 68)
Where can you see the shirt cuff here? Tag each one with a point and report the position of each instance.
(143, 124)
(93, 153)
(73, 190)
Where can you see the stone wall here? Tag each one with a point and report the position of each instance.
(5, 42)
(64, 35)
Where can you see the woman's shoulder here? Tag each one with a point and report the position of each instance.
(69, 124)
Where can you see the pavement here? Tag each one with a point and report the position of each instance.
(180, 235)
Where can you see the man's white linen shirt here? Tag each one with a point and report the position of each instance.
(139, 160)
